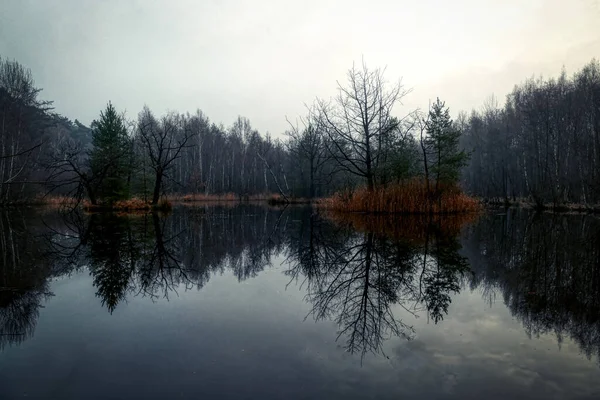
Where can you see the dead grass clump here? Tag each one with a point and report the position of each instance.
(271, 198)
(411, 197)
(130, 205)
(57, 201)
(203, 197)
(192, 197)
(134, 204)
(164, 205)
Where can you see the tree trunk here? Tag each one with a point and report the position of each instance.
(157, 186)
(312, 178)
(425, 163)
(91, 193)
(368, 162)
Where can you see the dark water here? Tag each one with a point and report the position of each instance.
(250, 302)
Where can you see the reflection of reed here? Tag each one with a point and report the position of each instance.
(411, 227)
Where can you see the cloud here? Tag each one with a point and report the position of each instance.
(265, 59)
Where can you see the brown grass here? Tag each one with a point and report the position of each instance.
(271, 198)
(199, 197)
(134, 205)
(164, 204)
(56, 201)
(277, 199)
(523, 202)
(202, 197)
(410, 197)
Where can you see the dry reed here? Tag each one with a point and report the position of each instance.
(271, 198)
(131, 205)
(199, 197)
(203, 197)
(277, 199)
(411, 197)
(56, 201)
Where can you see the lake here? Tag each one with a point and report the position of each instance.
(248, 302)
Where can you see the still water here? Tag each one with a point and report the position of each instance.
(249, 302)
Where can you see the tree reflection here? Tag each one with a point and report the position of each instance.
(547, 270)
(356, 277)
(155, 255)
(441, 273)
(113, 255)
(24, 276)
(370, 276)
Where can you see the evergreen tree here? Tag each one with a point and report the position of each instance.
(110, 157)
(446, 159)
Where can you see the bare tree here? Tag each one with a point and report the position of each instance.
(309, 146)
(422, 120)
(359, 120)
(23, 121)
(163, 142)
(68, 169)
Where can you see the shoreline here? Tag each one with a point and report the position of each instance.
(574, 208)
(547, 207)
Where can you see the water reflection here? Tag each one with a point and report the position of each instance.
(24, 274)
(354, 277)
(358, 272)
(156, 256)
(546, 269)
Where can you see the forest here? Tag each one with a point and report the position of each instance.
(541, 146)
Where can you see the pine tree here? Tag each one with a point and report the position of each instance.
(110, 156)
(446, 159)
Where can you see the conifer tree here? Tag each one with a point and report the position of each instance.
(110, 156)
(445, 159)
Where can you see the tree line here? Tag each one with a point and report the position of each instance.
(544, 269)
(543, 144)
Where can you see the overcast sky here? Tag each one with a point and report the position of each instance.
(266, 59)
